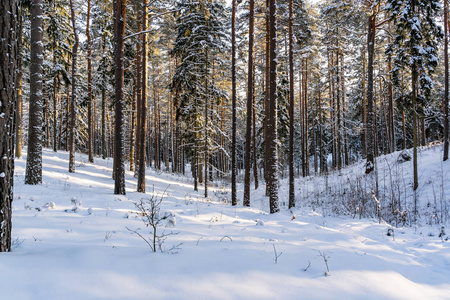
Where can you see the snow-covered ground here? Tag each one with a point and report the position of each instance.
(71, 242)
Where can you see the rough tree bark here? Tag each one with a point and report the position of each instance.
(291, 107)
(233, 103)
(142, 105)
(9, 12)
(370, 164)
(73, 99)
(119, 28)
(272, 155)
(446, 127)
(89, 65)
(248, 134)
(33, 174)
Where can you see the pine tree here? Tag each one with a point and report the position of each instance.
(73, 99)
(33, 173)
(446, 88)
(201, 38)
(119, 28)
(9, 13)
(233, 104)
(414, 47)
(250, 83)
(272, 139)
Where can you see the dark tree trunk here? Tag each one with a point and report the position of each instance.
(414, 75)
(89, 65)
(233, 103)
(142, 102)
(266, 94)
(370, 165)
(34, 154)
(272, 155)
(119, 28)
(291, 108)
(9, 12)
(446, 121)
(248, 134)
(73, 99)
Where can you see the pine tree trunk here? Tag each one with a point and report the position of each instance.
(446, 120)
(33, 174)
(291, 108)
(89, 65)
(272, 155)
(9, 50)
(74, 95)
(370, 110)
(266, 95)
(414, 76)
(233, 103)
(248, 134)
(119, 28)
(142, 105)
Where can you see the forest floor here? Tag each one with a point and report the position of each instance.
(73, 239)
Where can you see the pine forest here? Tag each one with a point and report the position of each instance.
(201, 119)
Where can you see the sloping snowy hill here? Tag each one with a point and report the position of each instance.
(72, 242)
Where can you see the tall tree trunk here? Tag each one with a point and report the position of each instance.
(74, 95)
(33, 174)
(414, 76)
(446, 121)
(291, 108)
(272, 157)
(119, 28)
(248, 134)
(142, 104)
(233, 103)
(370, 111)
(9, 54)
(89, 65)
(266, 94)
